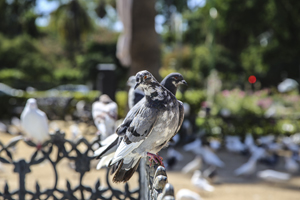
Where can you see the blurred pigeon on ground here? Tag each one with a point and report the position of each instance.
(289, 143)
(247, 168)
(15, 128)
(287, 85)
(234, 144)
(81, 111)
(194, 146)
(147, 128)
(267, 139)
(134, 95)
(291, 165)
(200, 182)
(34, 122)
(215, 144)
(105, 114)
(192, 166)
(249, 141)
(185, 194)
(3, 128)
(210, 158)
(273, 176)
(211, 174)
(173, 157)
(75, 131)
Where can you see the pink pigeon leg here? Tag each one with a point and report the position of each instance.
(156, 158)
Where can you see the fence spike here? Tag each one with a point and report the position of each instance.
(37, 187)
(6, 188)
(160, 182)
(160, 171)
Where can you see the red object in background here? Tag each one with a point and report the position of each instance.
(252, 79)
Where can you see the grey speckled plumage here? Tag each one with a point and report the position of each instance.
(147, 128)
(134, 95)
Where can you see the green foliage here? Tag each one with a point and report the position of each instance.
(250, 112)
(17, 18)
(121, 100)
(246, 38)
(23, 53)
(68, 75)
(72, 24)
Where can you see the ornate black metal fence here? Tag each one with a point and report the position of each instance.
(152, 180)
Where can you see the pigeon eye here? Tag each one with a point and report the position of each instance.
(176, 77)
(145, 77)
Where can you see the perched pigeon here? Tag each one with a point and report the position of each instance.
(170, 82)
(34, 122)
(105, 114)
(147, 128)
(134, 95)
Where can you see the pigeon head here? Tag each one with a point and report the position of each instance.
(172, 81)
(104, 98)
(131, 81)
(31, 103)
(143, 78)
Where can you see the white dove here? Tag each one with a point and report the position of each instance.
(105, 114)
(34, 122)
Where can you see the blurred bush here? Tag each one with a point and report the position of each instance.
(21, 59)
(263, 112)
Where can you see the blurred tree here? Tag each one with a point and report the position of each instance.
(145, 50)
(72, 24)
(22, 62)
(252, 37)
(17, 18)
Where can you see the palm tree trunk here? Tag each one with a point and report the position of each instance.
(145, 49)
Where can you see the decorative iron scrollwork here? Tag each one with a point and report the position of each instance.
(82, 166)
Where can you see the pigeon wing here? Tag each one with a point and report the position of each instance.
(140, 127)
(181, 115)
(121, 130)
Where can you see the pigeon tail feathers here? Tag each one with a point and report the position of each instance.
(123, 172)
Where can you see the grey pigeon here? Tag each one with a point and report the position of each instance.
(134, 95)
(106, 152)
(147, 128)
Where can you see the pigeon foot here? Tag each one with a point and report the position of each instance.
(156, 158)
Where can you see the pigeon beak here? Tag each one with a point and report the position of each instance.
(183, 82)
(136, 85)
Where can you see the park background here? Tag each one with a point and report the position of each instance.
(216, 45)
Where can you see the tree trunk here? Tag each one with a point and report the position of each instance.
(145, 45)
